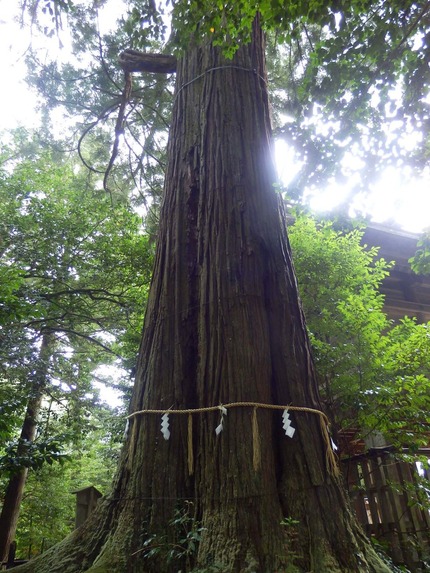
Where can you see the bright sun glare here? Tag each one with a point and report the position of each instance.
(396, 198)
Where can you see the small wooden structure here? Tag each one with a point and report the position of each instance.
(386, 495)
(86, 501)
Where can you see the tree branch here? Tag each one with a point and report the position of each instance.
(89, 338)
(119, 126)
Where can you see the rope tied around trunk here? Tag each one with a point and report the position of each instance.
(230, 67)
(331, 462)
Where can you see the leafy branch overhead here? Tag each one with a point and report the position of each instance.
(347, 79)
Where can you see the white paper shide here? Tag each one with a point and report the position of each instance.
(220, 426)
(286, 424)
(165, 426)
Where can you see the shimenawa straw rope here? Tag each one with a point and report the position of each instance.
(332, 465)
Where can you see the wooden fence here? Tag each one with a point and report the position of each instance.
(391, 504)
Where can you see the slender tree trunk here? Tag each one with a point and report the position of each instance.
(223, 324)
(15, 487)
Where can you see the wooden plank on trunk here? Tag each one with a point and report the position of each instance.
(135, 61)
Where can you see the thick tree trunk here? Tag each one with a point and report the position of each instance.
(223, 324)
(15, 487)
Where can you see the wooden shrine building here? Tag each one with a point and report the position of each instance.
(387, 493)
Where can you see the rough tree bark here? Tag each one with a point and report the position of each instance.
(223, 324)
(15, 487)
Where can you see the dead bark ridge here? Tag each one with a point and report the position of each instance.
(223, 324)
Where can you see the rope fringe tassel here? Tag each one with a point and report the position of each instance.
(132, 443)
(256, 451)
(190, 445)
